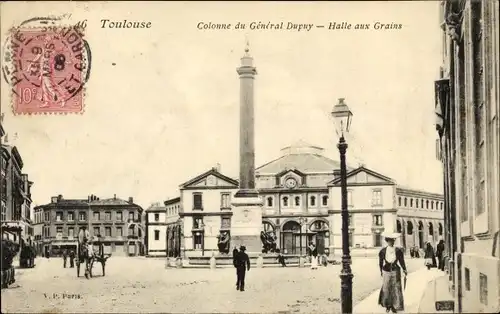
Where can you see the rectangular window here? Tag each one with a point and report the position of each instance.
(376, 197)
(198, 201)
(82, 216)
(59, 231)
(478, 103)
(71, 232)
(197, 222)
(198, 241)
(119, 216)
(467, 279)
(377, 220)
(71, 216)
(59, 216)
(97, 231)
(157, 217)
(107, 216)
(483, 289)
(97, 216)
(462, 123)
(350, 201)
(157, 235)
(225, 222)
(107, 231)
(131, 215)
(119, 231)
(225, 200)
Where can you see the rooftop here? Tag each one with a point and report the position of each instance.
(302, 156)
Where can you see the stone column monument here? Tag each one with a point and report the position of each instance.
(246, 223)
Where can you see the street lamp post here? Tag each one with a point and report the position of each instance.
(343, 117)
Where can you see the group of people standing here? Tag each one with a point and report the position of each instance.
(434, 257)
(71, 256)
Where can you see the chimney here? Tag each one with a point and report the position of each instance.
(89, 198)
(131, 200)
(114, 197)
(217, 167)
(59, 197)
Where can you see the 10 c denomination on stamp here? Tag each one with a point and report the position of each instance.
(49, 68)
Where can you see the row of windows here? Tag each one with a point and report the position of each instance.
(198, 222)
(419, 203)
(82, 216)
(296, 201)
(225, 200)
(70, 232)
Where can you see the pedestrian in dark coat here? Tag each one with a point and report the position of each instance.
(65, 257)
(281, 258)
(430, 257)
(440, 254)
(71, 259)
(242, 265)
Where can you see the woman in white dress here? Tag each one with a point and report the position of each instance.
(314, 256)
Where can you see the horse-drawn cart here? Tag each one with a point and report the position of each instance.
(88, 254)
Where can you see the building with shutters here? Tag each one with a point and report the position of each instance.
(116, 221)
(300, 191)
(467, 108)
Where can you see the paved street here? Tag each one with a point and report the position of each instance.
(144, 285)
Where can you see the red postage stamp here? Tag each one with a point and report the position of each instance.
(50, 66)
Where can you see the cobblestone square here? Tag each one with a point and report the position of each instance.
(144, 285)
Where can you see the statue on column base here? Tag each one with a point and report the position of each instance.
(268, 242)
(223, 242)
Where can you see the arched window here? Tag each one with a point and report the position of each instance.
(411, 202)
(312, 201)
(324, 200)
(416, 203)
(270, 201)
(440, 229)
(427, 204)
(399, 201)
(406, 202)
(422, 204)
(297, 200)
(409, 228)
(285, 201)
(432, 205)
(398, 226)
(442, 205)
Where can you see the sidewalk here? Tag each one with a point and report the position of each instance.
(417, 285)
(437, 290)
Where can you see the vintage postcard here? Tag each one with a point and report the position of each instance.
(249, 157)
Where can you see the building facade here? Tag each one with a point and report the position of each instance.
(15, 194)
(467, 107)
(205, 211)
(115, 222)
(301, 195)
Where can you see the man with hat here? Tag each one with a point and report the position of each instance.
(242, 265)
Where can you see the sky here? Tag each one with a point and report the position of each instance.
(162, 104)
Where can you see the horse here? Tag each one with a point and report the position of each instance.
(90, 258)
(84, 256)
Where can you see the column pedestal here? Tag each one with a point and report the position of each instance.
(246, 223)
